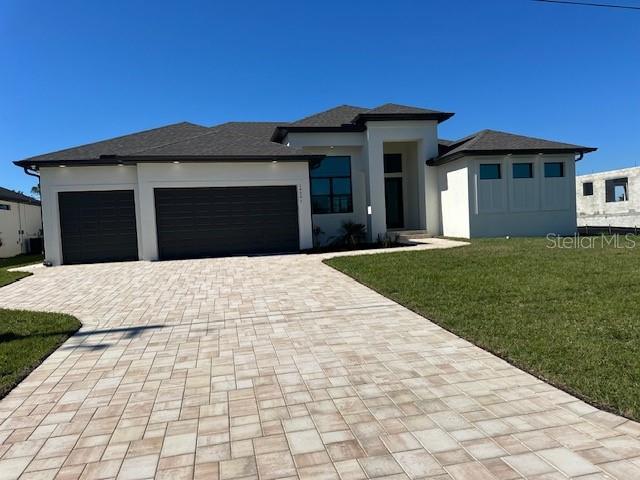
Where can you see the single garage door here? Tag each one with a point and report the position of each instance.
(98, 226)
(209, 222)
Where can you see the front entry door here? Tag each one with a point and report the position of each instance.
(393, 199)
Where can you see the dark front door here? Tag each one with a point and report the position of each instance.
(393, 199)
(98, 226)
(219, 221)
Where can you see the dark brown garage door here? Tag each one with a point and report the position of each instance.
(209, 222)
(98, 226)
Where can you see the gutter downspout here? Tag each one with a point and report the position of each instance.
(26, 170)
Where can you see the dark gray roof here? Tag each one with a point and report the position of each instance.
(394, 108)
(255, 129)
(488, 142)
(348, 118)
(230, 140)
(223, 142)
(17, 197)
(126, 144)
(334, 117)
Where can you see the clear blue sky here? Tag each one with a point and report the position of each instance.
(74, 72)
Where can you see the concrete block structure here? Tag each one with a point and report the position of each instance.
(609, 199)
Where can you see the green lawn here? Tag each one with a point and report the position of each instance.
(571, 316)
(7, 277)
(27, 338)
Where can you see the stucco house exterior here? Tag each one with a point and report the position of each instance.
(20, 220)
(609, 199)
(186, 190)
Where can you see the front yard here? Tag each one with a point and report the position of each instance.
(27, 338)
(570, 316)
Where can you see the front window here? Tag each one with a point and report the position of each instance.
(523, 170)
(587, 189)
(554, 169)
(392, 163)
(331, 185)
(490, 171)
(617, 189)
(4, 206)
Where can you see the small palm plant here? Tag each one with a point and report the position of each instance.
(351, 234)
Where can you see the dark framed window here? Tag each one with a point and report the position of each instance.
(523, 170)
(587, 189)
(4, 206)
(331, 185)
(617, 189)
(553, 169)
(490, 171)
(392, 163)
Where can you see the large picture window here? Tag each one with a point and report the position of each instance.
(331, 185)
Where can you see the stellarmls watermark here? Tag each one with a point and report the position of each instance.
(599, 241)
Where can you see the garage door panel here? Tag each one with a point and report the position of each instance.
(201, 222)
(98, 226)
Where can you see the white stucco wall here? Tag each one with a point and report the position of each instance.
(142, 179)
(416, 140)
(595, 211)
(338, 144)
(453, 186)
(21, 222)
(425, 134)
(522, 207)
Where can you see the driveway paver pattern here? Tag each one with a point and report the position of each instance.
(280, 367)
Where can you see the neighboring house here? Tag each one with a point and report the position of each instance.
(186, 190)
(20, 220)
(609, 199)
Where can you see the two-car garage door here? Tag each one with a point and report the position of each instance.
(100, 226)
(207, 222)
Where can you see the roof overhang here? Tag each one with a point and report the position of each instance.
(282, 131)
(6, 198)
(538, 151)
(362, 118)
(358, 124)
(114, 160)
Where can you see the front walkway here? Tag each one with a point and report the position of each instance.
(276, 367)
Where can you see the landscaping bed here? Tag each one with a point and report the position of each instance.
(568, 315)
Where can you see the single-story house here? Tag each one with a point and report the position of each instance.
(187, 190)
(20, 220)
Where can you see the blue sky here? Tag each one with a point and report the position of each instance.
(76, 71)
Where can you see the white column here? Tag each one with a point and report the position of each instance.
(428, 148)
(146, 214)
(377, 224)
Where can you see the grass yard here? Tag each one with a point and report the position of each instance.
(571, 316)
(7, 277)
(27, 338)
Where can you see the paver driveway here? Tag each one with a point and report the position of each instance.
(279, 367)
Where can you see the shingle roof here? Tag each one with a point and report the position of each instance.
(223, 142)
(394, 108)
(232, 139)
(334, 117)
(487, 142)
(348, 118)
(17, 197)
(126, 144)
(255, 129)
